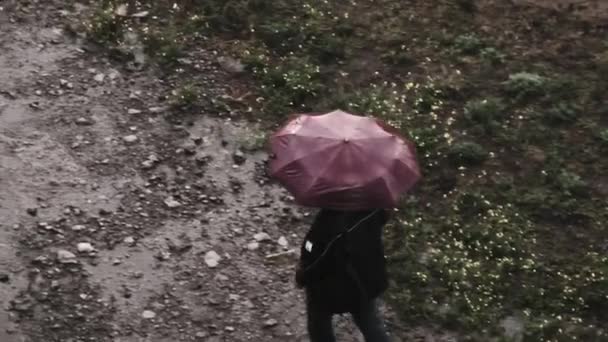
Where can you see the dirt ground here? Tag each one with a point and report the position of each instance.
(119, 226)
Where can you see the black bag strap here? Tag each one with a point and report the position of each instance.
(313, 264)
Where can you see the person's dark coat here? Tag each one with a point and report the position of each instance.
(339, 269)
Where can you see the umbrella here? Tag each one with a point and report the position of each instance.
(343, 161)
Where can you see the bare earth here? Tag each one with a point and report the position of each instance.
(113, 219)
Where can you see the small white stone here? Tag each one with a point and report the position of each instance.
(172, 203)
(261, 237)
(99, 77)
(212, 259)
(130, 138)
(283, 242)
(133, 111)
(85, 247)
(78, 227)
(253, 246)
(129, 240)
(66, 257)
(147, 314)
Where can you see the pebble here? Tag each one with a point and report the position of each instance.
(130, 138)
(66, 257)
(253, 246)
(270, 323)
(129, 240)
(133, 111)
(231, 64)
(78, 227)
(260, 237)
(32, 211)
(99, 78)
(85, 247)
(282, 242)
(82, 121)
(172, 203)
(147, 314)
(212, 259)
(156, 110)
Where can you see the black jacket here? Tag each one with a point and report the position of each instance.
(342, 269)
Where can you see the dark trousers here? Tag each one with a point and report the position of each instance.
(366, 317)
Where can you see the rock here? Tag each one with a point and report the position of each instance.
(261, 237)
(147, 314)
(200, 334)
(66, 257)
(66, 84)
(133, 111)
(150, 162)
(270, 323)
(253, 246)
(78, 227)
(171, 202)
(231, 64)
(82, 121)
(4, 278)
(141, 14)
(283, 242)
(85, 247)
(212, 259)
(113, 74)
(129, 240)
(129, 139)
(239, 157)
(32, 211)
(99, 77)
(121, 10)
(156, 110)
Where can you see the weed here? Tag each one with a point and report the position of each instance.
(603, 136)
(468, 44)
(254, 140)
(487, 112)
(467, 153)
(105, 27)
(184, 97)
(525, 85)
(164, 45)
(571, 184)
(492, 56)
(562, 112)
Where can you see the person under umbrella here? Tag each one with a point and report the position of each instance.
(343, 269)
(345, 164)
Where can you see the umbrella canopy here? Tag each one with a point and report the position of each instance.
(343, 161)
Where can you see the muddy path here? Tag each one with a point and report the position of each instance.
(120, 225)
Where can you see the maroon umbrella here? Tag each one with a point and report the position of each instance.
(343, 161)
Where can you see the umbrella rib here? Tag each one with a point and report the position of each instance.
(327, 166)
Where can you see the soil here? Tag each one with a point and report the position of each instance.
(114, 218)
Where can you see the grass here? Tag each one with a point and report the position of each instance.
(509, 220)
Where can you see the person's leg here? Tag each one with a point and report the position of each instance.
(320, 328)
(369, 322)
